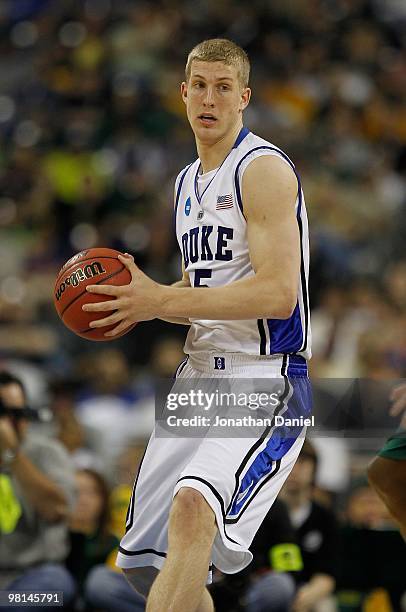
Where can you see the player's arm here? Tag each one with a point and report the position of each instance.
(269, 193)
(184, 282)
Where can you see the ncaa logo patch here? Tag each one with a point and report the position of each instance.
(219, 363)
(188, 206)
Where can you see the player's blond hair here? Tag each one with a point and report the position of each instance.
(221, 50)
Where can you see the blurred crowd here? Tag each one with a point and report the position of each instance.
(326, 545)
(92, 135)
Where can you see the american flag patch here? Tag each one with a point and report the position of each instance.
(225, 201)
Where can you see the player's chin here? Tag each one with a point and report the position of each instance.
(207, 133)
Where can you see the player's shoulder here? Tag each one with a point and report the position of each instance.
(182, 174)
(255, 146)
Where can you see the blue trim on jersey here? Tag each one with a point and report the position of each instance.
(237, 181)
(305, 288)
(265, 464)
(243, 133)
(182, 178)
(286, 335)
(299, 204)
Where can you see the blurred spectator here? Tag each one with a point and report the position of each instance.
(68, 429)
(110, 409)
(94, 548)
(317, 534)
(371, 553)
(125, 470)
(267, 583)
(166, 356)
(92, 134)
(36, 491)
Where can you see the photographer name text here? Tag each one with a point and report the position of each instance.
(245, 421)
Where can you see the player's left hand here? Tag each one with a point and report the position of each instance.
(137, 301)
(8, 435)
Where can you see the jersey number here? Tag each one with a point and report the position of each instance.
(199, 276)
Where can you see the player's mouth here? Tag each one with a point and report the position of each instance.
(207, 119)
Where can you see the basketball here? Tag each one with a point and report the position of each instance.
(98, 266)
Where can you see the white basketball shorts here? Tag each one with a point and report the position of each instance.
(239, 477)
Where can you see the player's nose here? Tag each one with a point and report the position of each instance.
(209, 97)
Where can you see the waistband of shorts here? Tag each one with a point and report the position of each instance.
(234, 363)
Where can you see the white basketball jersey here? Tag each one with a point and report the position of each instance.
(212, 234)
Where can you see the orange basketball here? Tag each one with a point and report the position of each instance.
(91, 267)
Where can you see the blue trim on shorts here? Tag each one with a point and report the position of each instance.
(266, 464)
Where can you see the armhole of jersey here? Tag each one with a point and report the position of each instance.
(178, 188)
(250, 157)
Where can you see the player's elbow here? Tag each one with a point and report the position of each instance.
(275, 298)
(284, 312)
(282, 309)
(286, 304)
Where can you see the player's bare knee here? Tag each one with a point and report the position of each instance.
(191, 511)
(141, 578)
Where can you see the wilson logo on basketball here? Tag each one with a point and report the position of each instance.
(80, 275)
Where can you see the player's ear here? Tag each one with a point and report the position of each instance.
(245, 98)
(183, 91)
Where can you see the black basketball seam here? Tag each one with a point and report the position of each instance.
(90, 329)
(102, 280)
(82, 260)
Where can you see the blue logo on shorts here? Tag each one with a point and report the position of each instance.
(188, 206)
(219, 363)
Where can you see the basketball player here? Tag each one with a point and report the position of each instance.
(242, 229)
(387, 472)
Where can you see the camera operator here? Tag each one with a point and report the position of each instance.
(36, 492)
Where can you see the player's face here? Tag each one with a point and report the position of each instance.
(215, 100)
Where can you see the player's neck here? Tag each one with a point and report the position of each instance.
(212, 155)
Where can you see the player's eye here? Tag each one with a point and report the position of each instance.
(224, 87)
